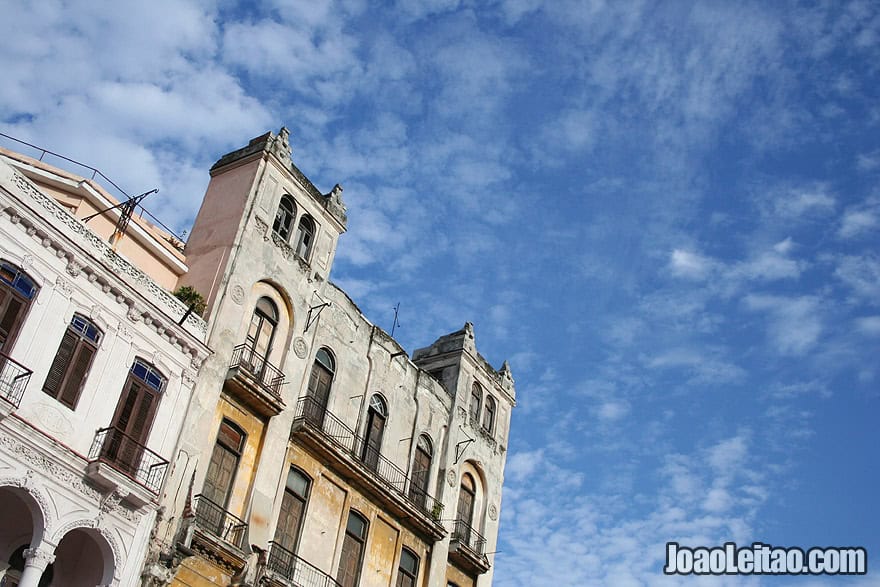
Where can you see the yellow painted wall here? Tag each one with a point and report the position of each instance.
(455, 575)
(198, 572)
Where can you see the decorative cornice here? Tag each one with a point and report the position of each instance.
(101, 251)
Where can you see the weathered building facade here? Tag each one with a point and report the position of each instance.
(312, 450)
(97, 366)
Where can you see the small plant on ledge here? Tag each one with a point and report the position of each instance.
(190, 297)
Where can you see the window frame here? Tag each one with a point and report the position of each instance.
(403, 573)
(475, 407)
(306, 232)
(86, 336)
(490, 411)
(284, 217)
(18, 286)
(303, 498)
(361, 543)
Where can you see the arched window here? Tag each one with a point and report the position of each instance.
(489, 414)
(465, 510)
(352, 554)
(318, 392)
(421, 470)
(223, 464)
(284, 217)
(476, 402)
(72, 361)
(305, 234)
(293, 507)
(134, 415)
(376, 416)
(17, 291)
(466, 498)
(261, 333)
(408, 569)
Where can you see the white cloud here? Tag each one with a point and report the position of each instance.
(795, 322)
(858, 220)
(797, 203)
(869, 325)
(690, 265)
(861, 274)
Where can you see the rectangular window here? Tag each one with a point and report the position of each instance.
(72, 361)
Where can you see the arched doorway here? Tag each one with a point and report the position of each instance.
(84, 559)
(22, 525)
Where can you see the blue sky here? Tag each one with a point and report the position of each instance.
(665, 215)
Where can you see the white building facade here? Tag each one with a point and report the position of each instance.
(97, 373)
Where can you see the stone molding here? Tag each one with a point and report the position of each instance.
(101, 251)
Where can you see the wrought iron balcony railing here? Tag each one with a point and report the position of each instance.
(215, 520)
(296, 570)
(267, 376)
(468, 537)
(309, 411)
(14, 378)
(131, 458)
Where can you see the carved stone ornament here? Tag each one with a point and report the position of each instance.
(262, 227)
(300, 347)
(237, 294)
(27, 260)
(96, 248)
(74, 267)
(493, 512)
(63, 286)
(39, 557)
(188, 378)
(451, 477)
(134, 313)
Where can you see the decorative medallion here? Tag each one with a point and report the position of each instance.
(237, 294)
(300, 347)
(450, 477)
(493, 512)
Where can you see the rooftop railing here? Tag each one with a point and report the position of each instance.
(310, 412)
(296, 570)
(14, 378)
(129, 457)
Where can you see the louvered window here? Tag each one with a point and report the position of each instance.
(17, 291)
(72, 362)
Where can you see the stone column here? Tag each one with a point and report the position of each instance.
(35, 562)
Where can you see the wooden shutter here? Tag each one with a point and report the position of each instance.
(221, 472)
(65, 353)
(375, 430)
(349, 561)
(10, 314)
(76, 375)
(287, 531)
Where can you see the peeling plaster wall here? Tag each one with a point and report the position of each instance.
(368, 361)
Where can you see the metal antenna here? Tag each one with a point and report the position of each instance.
(395, 324)
(127, 209)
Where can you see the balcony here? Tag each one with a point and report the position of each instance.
(363, 466)
(467, 548)
(118, 461)
(285, 568)
(218, 535)
(255, 381)
(14, 378)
